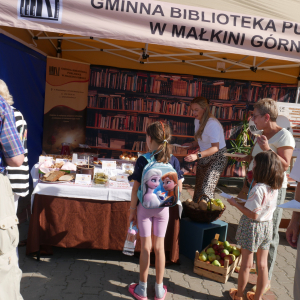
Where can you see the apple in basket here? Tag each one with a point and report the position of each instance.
(236, 252)
(210, 251)
(212, 257)
(215, 247)
(229, 258)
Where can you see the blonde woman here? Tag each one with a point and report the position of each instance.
(209, 135)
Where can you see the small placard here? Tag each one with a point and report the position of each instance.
(119, 185)
(122, 178)
(61, 160)
(83, 179)
(43, 158)
(81, 161)
(109, 164)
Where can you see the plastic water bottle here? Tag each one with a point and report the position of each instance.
(130, 240)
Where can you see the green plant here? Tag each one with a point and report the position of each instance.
(242, 143)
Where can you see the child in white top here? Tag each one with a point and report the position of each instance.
(254, 232)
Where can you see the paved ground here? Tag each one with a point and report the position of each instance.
(72, 274)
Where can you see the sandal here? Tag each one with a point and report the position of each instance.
(136, 296)
(250, 295)
(232, 294)
(164, 296)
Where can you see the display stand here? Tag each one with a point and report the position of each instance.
(196, 236)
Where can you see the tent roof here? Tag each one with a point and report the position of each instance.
(161, 58)
(275, 9)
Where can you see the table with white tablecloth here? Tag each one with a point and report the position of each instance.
(74, 216)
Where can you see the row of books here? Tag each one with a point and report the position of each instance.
(182, 108)
(282, 94)
(140, 104)
(228, 111)
(137, 123)
(188, 86)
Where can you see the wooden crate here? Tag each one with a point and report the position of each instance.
(213, 272)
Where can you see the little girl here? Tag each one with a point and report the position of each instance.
(157, 137)
(254, 232)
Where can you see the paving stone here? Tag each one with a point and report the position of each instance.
(53, 293)
(57, 279)
(72, 274)
(73, 286)
(33, 292)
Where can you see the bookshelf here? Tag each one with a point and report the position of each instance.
(135, 132)
(122, 103)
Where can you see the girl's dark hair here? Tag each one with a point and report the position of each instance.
(159, 132)
(268, 169)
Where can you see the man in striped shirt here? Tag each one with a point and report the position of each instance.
(18, 176)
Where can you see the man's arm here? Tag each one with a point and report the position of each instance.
(293, 228)
(12, 147)
(15, 161)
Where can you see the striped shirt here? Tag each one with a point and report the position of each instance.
(19, 177)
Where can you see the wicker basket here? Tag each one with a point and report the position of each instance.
(202, 216)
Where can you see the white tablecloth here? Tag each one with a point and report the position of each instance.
(70, 190)
(80, 192)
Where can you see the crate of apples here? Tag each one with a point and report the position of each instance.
(217, 261)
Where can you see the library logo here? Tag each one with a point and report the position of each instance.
(40, 10)
(54, 71)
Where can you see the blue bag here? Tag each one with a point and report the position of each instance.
(159, 185)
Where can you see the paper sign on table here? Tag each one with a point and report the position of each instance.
(291, 205)
(109, 164)
(45, 158)
(61, 160)
(122, 178)
(81, 161)
(229, 197)
(83, 179)
(119, 185)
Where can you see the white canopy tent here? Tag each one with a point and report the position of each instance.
(252, 41)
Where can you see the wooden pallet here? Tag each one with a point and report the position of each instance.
(213, 272)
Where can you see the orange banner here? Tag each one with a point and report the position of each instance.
(65, 104)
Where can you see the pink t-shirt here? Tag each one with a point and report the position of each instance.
(262, 200)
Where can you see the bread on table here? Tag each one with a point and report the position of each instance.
(66, 178)
(55, 176)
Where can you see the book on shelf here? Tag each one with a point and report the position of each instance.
(140, 146)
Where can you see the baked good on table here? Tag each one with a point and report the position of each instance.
(55, 176)
(66, 178)
(58, 165)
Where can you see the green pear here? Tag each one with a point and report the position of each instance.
(216, 263)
